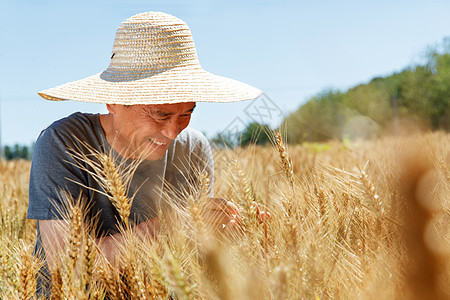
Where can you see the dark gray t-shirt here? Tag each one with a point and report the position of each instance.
(53, 169)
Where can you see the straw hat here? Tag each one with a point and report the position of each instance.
(153, 61)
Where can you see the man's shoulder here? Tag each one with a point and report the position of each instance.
(191, 136)
(75, 125)
(189, 154)
(73, 121)
(71, 131)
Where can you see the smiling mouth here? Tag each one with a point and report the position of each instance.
(158, 143)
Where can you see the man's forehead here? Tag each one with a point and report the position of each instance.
(175, 107)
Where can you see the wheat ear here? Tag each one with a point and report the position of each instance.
(177, 278)
(90, 253)
(285, 162)
(116, 187)
(134, 282)
(248, 200)
(27, 274)
(113, 176)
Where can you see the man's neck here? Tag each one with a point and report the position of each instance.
(106, 121)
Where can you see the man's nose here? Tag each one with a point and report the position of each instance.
(170, 129)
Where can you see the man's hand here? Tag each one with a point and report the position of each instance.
(262, 215)
(147, 230)
(223, 215)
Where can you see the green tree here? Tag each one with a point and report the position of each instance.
(17, 152)
(256, 133)
(320, 119)
(8, 153)
(421, 92)
(439, 105)
(25, 152)
(370, 100)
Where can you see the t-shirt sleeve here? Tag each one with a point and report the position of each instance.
(201, 159)
(189, 159)
(52, 173)
(206, 160)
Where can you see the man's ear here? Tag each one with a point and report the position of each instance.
(111, 108)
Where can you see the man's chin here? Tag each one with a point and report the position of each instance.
(154, 152)
(154, 156)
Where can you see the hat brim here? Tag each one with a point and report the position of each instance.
(172, 86)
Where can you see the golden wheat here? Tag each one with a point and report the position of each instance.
(341, 228)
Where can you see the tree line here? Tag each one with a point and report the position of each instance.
(17, 152)
(420, 93)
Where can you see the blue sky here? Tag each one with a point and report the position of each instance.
(291, 50)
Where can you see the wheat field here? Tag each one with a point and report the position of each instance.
(366, 220)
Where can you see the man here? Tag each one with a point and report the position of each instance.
(150, 89)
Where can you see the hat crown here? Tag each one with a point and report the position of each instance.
(148, 44)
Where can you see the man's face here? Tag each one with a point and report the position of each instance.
(148, 130)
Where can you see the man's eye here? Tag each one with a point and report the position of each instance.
(158, 118)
